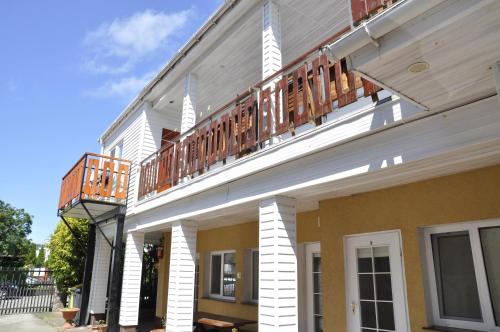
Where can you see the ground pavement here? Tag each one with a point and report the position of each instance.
(39, 322)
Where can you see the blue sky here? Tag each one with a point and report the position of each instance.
(67, 69)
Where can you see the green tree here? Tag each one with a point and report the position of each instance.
(15, 226)
(67, 257)
(30, 256)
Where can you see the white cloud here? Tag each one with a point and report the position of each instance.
(117, 46)
(127, 87)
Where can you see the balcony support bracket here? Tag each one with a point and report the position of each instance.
(97, 225)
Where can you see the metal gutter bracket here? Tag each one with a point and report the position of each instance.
(368, 33)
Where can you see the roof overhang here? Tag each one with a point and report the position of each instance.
(456, 39)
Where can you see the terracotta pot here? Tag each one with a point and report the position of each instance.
(158, 330)
(69, 315)
(100, 328)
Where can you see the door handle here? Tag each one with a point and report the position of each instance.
(353, 307)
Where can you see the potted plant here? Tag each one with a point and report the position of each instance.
(100, 326)
(163, 323)
(69, 315)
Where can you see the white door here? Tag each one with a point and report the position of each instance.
(313, 284)
(376, 294)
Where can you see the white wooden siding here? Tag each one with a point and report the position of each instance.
(100, 272)
(278, 304)
(130, 132)
(132, 273)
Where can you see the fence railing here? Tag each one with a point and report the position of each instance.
(25, 290)
(95, 177)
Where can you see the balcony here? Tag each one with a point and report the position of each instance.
(308, 92)
(95, 185)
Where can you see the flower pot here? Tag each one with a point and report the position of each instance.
(69, 315)
(158, 330)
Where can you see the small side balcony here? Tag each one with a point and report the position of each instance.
(94, 186)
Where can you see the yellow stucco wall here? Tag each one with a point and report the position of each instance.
(239, 238)
(466, 196)
(462, 197)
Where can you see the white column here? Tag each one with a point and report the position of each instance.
(132, 273)
(189, 103)
(271, 39)
(181, 277)
(278, 265)
(271, 50)
(100, 271)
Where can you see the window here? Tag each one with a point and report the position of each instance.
(255, 276)
(318, 307)
(222, 274)
(117, 150)
(463, 262)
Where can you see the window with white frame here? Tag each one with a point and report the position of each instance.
(463, 263)
(222, 274)
(255, 276)
(117, 150)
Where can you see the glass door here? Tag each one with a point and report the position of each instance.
(375, 284)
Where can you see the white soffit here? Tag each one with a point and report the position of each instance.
(458, 39)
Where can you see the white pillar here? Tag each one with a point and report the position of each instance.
(271, 39)
(188, 119)
(100, 272)
(271, 50)
(132, 273)
(278, 290)
(181, 277)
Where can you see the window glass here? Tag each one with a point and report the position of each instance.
(318, 303)
(375, 289)
(216, 274)
(490, 242)
(455, 277)
(255, 275)
(229, 280)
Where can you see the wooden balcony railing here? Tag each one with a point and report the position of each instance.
(304, 91)
(364, 9)
(95, 178)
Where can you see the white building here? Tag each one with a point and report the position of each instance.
(308, 165)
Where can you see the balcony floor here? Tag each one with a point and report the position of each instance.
(96, 209)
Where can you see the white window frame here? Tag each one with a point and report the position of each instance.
(472, 228)
(214, 295)
(114, 148)
(251, 299)
(311, 249)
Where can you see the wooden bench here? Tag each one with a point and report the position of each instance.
(204, 320)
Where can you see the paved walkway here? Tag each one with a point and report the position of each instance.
(40, 322)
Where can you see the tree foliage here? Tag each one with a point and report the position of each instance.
(15, 226)
(67, 257)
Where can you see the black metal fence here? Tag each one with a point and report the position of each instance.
(25, 290)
